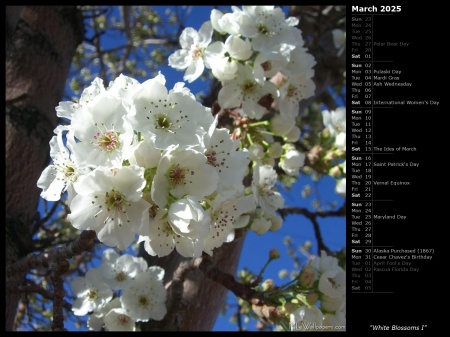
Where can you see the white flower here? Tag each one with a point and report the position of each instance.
(91, 291)
(226, 210)
(300, 63)
(119, 271)
(68, 109)
(293, 135)
(188, 218)
(256, 152)
(63, 172)
(336, 320)
(223, 58)
(245, 90)
(224, 155)
(143, 153)
(294, 90)
(119, 319)
(281, 125)
(160, 239)
(261, 222)
(335, 120)
(275, 150)
(277, 221)
(110, 203)
(226, 23)
(183, 172)
(269, 29)
(263, 187)
(300, 318)
(190, 57)
(267, 64)
(332, 304)
(123, 87)
(173, 117)
(341, 186)
(341, 141)
(292, 160)
(324, 263)
(95, 320)
(101, 132)
(146, 297)
(333, 282)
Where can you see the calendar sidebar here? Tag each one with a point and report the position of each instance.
(394, 221)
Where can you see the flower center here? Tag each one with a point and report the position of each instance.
(92, 295)
(197, 53)
(212, 160)
(143, 301)
(121, 276)
(248, 87)
(262, 29)
(70, 173)
(108, 141)
(177, 175)
(292, 91)
(266, 65)
(114, 200)
(162, 122)
(123, 319)
(168, 229)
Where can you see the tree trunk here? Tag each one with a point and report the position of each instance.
(194, 301)
(40, 44)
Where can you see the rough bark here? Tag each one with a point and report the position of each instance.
(42, 43)
(194, 301)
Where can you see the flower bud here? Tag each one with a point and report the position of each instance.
(274, 254)
(335, 172)
(306, 277)
(268, 285)
(312, 298)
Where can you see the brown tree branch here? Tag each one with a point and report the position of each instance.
(312, 216)
(85, 242)
(58, 267)
(32, 287)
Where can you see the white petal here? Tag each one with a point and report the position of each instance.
(230, 96)
(194, 70)
(179, 59)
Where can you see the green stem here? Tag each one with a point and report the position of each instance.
(267, 132)
(259, 123)
(249, 138)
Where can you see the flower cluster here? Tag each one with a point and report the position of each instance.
(315, 298)
(335, 122)
(261, 44)
(265, 72)
(141, 161)
(326, 282)
(142, 293)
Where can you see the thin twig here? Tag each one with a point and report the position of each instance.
(85, 242)
(58, 267)
(32, 287)
(312, 216)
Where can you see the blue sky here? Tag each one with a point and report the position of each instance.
(300, 229)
